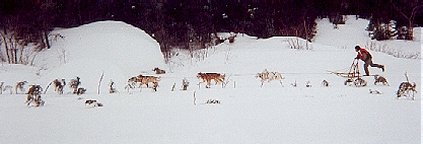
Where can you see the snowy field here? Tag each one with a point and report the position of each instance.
(248, 113)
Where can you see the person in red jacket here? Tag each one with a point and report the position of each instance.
(366, 57)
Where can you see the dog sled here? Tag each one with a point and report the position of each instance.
(349, 75)
(353, 75)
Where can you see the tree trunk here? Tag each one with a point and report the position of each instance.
(21, 57)
(305, 28)
(78, 12)
(409, 31)
(15, 53)
(4, 34)
(46, 39)
(11, 51)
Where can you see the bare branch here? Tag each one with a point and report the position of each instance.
(399, 10)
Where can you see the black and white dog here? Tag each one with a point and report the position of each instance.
(93, 103)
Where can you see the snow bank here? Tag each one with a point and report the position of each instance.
(118, 49)
(418, 33)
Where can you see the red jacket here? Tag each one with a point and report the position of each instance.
(363, 54)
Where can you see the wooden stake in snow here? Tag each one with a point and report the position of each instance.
(99, 83)
(185, 84)
(1, 87)
(225, 82)
(173, 87)
(406, 77)
(195, 99)
(48, 86)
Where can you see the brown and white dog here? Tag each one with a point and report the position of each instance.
(208, 77)
(74, 84)
(34, 90)
(406, 88)
(59, 85)
(20, 86)
(34, 96)
(159, 71)
(143, 80)
(380, 79)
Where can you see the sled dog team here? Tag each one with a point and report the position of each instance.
(406, 89)
(153, 81)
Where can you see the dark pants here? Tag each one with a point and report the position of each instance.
(368, 62)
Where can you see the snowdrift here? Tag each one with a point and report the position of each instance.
(117, 49)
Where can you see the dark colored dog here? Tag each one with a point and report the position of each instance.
(159, 71)
(93, 103)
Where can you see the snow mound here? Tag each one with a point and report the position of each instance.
(117, 49)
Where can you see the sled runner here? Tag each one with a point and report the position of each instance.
(349, 75)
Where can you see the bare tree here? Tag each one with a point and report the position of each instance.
(408, 9)
(46, 18)
(3, 34)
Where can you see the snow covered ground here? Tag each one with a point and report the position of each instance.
(248, 113)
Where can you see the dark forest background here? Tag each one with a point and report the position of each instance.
(194, 23)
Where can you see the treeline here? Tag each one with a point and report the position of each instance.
(192, 24)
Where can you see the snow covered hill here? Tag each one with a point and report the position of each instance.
(118, 49)
(247, 114)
